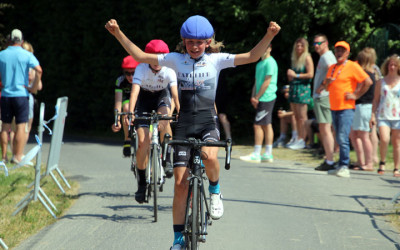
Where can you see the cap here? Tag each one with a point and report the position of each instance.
(129, 63)
(16, 35)
(197, 27)
(156, 47)
(343, 44)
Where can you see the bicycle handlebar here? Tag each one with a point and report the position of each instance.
(197, 143)
(153, 116)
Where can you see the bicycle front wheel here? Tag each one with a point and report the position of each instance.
(195, 215)
(155, 168)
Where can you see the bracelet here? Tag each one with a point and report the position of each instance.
(298, 76)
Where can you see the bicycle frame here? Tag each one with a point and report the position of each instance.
(197, 215)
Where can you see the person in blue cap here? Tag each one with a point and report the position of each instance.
(197, 69)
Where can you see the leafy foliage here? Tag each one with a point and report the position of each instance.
(81, 60)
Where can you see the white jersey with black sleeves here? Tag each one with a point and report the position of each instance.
(150, 81)
(197, 78)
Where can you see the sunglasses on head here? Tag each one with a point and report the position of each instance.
(129, 73)
(319, 43)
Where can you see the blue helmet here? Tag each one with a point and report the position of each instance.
(197, 27)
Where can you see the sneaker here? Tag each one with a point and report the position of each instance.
(216, 206)
(293, 140)
(253, 157)
(325, 167)
(126, 150)
(177, 247)
(168, 169)
(299, 144)
(267, 158)
(342, 171)
(279, 143)
(140, 195)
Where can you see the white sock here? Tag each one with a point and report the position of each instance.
(282, 136)
(268, 149)
(257, 149)
(330, 162)
(294, 134)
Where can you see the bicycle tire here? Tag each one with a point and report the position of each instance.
(195, 215)
(155, 166)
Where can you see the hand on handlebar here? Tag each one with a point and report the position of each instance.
(116, 127)
(128, 119)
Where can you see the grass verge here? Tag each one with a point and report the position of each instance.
(13, 188)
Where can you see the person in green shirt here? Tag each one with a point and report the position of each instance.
(263, 100)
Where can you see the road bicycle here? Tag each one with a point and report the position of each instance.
(197, 216)
(155, 175)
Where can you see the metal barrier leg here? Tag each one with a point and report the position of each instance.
(56, 181)
(63, 178)
(3, 244)
(396, 197)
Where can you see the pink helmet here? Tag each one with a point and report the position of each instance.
(129, 63)
(156, 47)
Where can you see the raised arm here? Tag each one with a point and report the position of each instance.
(138, 54)
(255, 54)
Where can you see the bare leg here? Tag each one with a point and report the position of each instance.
(225, 124)
(375, 142)
(357, 147)
(384, 133)
(366, 145)
(328, 141)
(396, 147)
(180, 194)
(20, 141)
(4, 139)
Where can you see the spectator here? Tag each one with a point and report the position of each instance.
(374, 132)
(346, 82)
(26, 45)
(286, 118)
(263, 100)
(15, 63)
(386, 106)
(359, 135)
(299, 76)
(321, 100)
(123, 87)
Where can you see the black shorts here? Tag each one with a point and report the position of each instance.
(148, 101)
(264, 113)
(17, 107)
(202, 125)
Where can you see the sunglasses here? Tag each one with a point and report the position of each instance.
(318, 43)
(129, 73)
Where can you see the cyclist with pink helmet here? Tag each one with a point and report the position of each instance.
(123, 86)
(152, 88)
(197, 70)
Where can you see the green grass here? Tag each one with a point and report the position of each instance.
(15, 229)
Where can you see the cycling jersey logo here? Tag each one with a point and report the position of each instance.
(182, 153)
(201, 64)
(260, 115)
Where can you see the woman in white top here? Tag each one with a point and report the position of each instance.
(387, 104)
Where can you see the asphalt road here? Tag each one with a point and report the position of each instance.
(280, 205)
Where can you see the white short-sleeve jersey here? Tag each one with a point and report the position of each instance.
(197, 78)
(151, 81)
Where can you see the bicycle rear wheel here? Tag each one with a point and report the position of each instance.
(154, 170)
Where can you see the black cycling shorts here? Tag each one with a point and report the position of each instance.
(148, 101)
(202, 125)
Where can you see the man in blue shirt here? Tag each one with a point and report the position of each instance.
(15, 63)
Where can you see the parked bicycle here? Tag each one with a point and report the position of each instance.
(155, 176)
(197, 216)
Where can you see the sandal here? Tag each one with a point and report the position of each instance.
(381, 170)
(396, 173)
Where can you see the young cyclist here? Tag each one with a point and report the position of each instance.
(197, 71)
(123, 86)
(152, 88)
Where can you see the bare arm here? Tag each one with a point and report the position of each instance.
(375, 102)
(263, 87)
(255, 54)
(37, 82)
(307, 75)
(138, 54)
(361, 89)
(174, 93)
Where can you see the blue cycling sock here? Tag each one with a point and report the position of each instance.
(178, 236)
(214, 187)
